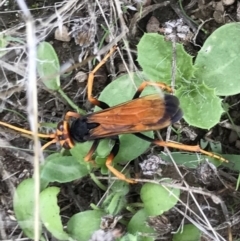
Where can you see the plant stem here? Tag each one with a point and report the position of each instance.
(97, 182)
(69, 101)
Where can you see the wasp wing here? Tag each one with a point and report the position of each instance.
(151, 112)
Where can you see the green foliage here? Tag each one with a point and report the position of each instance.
(189, 233)
(191, 160)
(82, 225)
(218, 61)
(80, 150)
(188, 160)
(5, 41)
(116, 199)
(114, 203)
(49, 213)
(129, 237)
(48, 66)
(137, 225)
(158, 199)
(215, 72)
(62, 169)
(155, 57)
(198, 101)
(23, 205)
(192, 96)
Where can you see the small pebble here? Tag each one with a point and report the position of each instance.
(228, 2)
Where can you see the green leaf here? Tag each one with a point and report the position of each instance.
(193, 160)
(201, 107)
(234, 162)
(185, 159)
(123, 89)
(116, 200)
(101, 162)
(155, 57)
(218, 60)
(121, 187)
(189, 233)
(80, 150)
(49, 213)
(130, 147)
(23, 205)
(158, 199)
(82, 225)
(48, 66)
(216, 146)
(204, 143)
(114, 203)
(137, 225)
(189, 160)
(62, 169)
(129, 237)
(104, 148)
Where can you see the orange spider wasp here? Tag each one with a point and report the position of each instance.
(151, 112)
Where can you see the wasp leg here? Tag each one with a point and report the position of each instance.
(49, 143)
(180, 146)
(183, 147)
(70, 114)
(93, 100)
(109, 162)
(147, 83)
(88, 157)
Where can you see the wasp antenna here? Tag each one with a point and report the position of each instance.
(48, 144)
(21, 130)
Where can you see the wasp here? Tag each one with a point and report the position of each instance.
(146, 113)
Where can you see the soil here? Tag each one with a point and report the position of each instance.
(86, 25)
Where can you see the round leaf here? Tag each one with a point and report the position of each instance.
(155, 57)
(48, 66)
(49, 213)
(218, 62)
(189, 233)
(201, 107)
(23, 205)
(138, 225)
(158, 199)
(82, 225)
